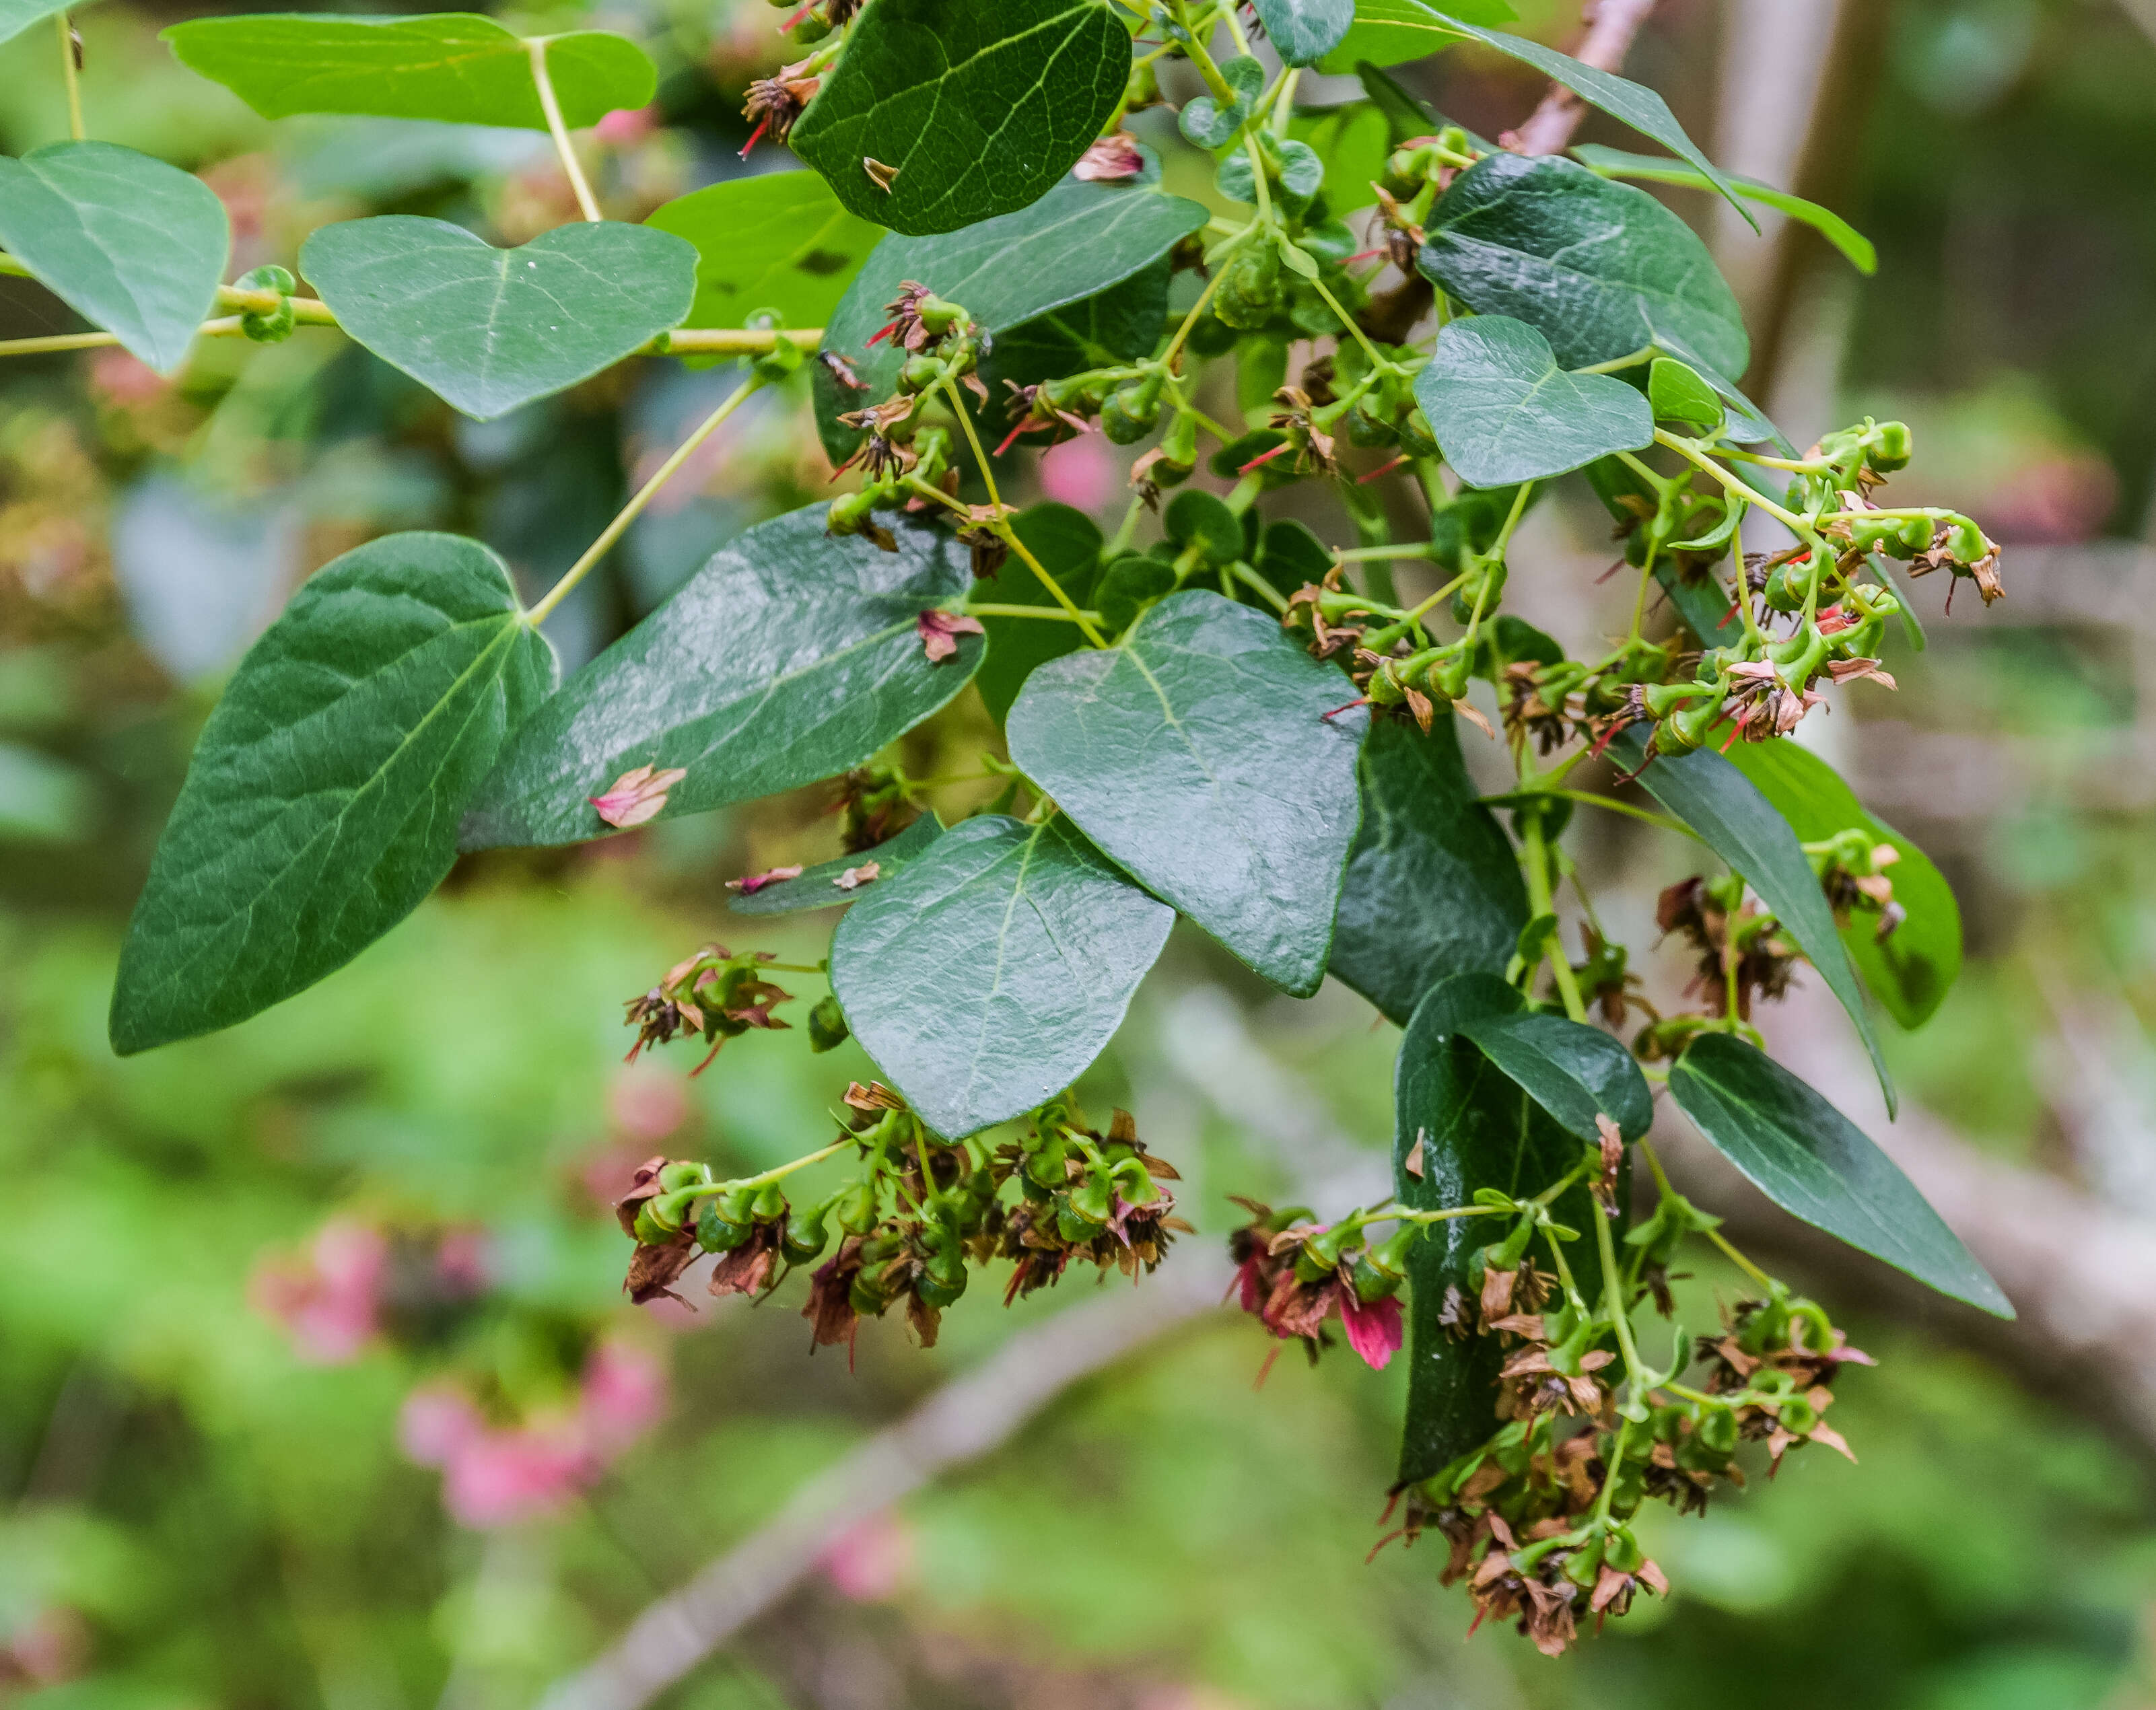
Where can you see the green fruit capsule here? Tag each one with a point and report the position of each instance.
(1074, 1225)
(769, 1205)
(866, 1297)
(857, 1209)
(1892, 447)
(717, 1234)
(1249, 291)
(806, 1236)
(1127, 418)
(919, 374)
(827, 1025)
(1787, 585)
(1717, 1430)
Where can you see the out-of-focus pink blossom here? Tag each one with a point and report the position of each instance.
(624, 1395)
(870, 1562)
(626, 125)
(647, 1105)
(502, 1477)
(1373, 1331)
(328, 1300)
(1081, 473)
(124, 381)
(51, 1646)
(436, 1425)
(462, 1261)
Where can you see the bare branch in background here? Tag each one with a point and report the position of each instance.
(1611, 30)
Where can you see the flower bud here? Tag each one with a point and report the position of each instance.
(1892, 447)
(275, 326)
(827, 1025)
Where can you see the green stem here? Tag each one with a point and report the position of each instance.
(1377, 362)
(1617, 364)
(544, 82)
(1661, 822)
(1686, 449)
(1541, 901)
(69, 76)
(630, 512)
(1258, 584)
(1040, 611)
(705, 1189)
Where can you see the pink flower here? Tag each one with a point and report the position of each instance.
(940, 632)
(124, 381)
(327, 1301)
(636, 796)
(436, 1425)
(501, 1477)
(462, 1262)
(625, 126)
(623, 1396)
(1082, 472)
(871, 1561)
(1373, 1331)
(1111, 160)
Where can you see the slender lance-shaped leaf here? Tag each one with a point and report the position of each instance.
(789, 656)
(818, 887)
(1573, 1071)
(1067, 542)
(778, 240)
(1432, 887)
(491, 329)
(1816, 1164)
(1075, 242)
(991, 973)
(969, 109)
(1912, 969)
(1621, 99)
(1618, 163)
(1305, 31)
(1740, 826)
(1392, 32)
(134, 245)
(1601, 269)
(1462, 1124)
(321, 805)
(453, 66)
(1504, 413)
(1198, 754)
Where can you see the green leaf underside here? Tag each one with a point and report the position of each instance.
(489, 330)
(17, 16)
(1196, 754)
(789, 656)
(1600, 268)
(817, 887)
(321, 805)
(979, 108)
(1304, 31)
(1912, 971)
(1067, 542)
(1504, 411)
(1573, 1071)
(453, 66)
(1740, 826)
(1075, 242)
(1476, 1128)
(130, 243)
(1392, 32)
(1816, 1165)
(1618, 163)
(1432, 888)
(1621, 99)
(779, 240)
(992, 972)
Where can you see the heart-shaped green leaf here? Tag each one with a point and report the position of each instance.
(1740, 826)
(1067, 542)
(1912, 969)
(1198, 755)
(778, 240)
(1432, 887)
(491, 329)
(789, 656)
(1303, 31)
(453, 66)
(970, 109)
(130, 243)
(1503, 411)
(1637, 106)
(1392, 32)
(1816, 1164)
(1205, 123)
(819, 887)
(321, 805)
(1599, 269)
(1618, 163)
(1074, 244)
(991, 973)
(1677, 393)
(1574, 1072)
(1462, 1124)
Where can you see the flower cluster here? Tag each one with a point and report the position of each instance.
(713, 992)
(1294, 1274)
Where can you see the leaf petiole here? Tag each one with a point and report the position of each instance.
(544, 82)
(70, 75)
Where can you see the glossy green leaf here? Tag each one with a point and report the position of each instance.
(1911, 971)
(1503, 411)
(818, 887)
(1432, 888)
(988, 975)
(130, 243)
(1305, 31)
(1620, 97)
(1392, 32)
(453, 66)
(1290, 557)
(789, 656)
(1128, 586)
(1617, 163)
(1067, 542)
(778, 240)
(1574, 1071)
(1199, 755)
(1816, 1165)
(1467, 1125)
(1679, 395)
(1602, 270)
(1072, 244)
(321, 805)
(978, 107)
(1740, 826)
(491, 329)
(1354, 142)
